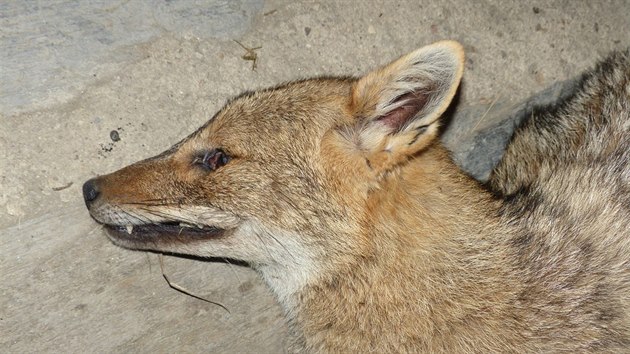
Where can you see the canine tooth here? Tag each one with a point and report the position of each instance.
(129, 229)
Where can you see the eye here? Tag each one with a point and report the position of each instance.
(212, 160)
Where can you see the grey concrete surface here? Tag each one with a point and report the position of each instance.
(71, 72)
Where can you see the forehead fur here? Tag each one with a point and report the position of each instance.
(299, 112)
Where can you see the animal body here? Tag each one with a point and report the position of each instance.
(337, 192)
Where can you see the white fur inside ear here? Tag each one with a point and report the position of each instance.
(434, 71)
(406, 95)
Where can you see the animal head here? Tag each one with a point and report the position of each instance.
(284, 174)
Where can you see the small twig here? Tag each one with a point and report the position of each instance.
(57, 189)
(184, 291)
(250, 55)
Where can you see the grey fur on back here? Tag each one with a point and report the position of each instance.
(565, 177)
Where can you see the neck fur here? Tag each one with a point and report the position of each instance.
(416, 261)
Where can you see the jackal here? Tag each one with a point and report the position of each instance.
(337, 192)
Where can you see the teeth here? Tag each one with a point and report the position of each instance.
(129, 229)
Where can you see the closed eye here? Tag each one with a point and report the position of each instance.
(212, 160)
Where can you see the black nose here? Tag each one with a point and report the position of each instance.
(90, 191)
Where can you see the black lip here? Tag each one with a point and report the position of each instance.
(164, 232)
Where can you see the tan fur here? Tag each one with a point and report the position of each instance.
(339, 195)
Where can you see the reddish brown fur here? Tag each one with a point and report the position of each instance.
(338, 194)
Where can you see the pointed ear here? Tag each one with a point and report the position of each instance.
(397, 107)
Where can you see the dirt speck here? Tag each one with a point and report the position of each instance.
(80, 307)
(245, 287)
(114, 135)
(470, 64)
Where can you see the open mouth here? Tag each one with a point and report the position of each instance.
(172, 231)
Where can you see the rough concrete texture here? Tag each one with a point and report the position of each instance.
(89, 87)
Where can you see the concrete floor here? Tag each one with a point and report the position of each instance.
(73, 72)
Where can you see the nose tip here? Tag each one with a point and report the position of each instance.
(90, 191)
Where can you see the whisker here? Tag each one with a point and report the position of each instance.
(471, 131)
(230, 265)
(131, 217)
(264, 245)
(286, 250)
(149, 204)
(98, 226)
(157, 201)
(169, 217)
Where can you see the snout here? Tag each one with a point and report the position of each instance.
(91, 192)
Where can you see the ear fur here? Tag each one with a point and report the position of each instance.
(396, 108)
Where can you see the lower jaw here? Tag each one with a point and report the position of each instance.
(154, 234)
